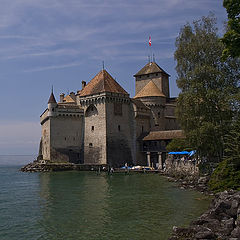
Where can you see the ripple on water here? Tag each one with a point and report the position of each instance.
(85, 205)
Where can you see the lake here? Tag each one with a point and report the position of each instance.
(87, 205)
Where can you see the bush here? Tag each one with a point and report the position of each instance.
(224, 177)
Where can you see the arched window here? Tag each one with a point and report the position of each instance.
(91, 111)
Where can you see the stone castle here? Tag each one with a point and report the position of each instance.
(102, 125)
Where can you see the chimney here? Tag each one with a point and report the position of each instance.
(73, 96)
(61, 97)
(83, 84)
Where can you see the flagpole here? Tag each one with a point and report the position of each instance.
(150, 47)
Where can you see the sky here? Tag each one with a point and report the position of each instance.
(62, 42)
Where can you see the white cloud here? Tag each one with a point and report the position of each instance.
(73, 64)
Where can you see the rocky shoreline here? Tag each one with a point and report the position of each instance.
(220, 222)
(37, 166)
(191, 182)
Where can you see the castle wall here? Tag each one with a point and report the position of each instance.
(157, 106)
(67, 138)
(121, 132)
(171, 122)
(95, 133)
(45, 139)
(142, 129)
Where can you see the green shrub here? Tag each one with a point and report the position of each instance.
(224, 177)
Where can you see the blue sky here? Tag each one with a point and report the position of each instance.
(62, 42)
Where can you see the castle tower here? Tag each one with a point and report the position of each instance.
(52, 104)
(62, 131)
(152, 72)
(109, 132)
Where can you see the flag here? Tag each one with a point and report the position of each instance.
(150, 41)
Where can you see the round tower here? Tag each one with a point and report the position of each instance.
(52, 104)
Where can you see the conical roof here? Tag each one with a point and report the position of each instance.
(151, 67)
(150, 90)
(52, 98)
(102, 82)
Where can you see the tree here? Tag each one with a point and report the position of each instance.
(232, 145)
(208, 87)
(231, 38)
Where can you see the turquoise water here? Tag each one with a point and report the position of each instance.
(87, 205)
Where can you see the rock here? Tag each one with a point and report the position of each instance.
(202, 180)
(236, 232)
(205, 235)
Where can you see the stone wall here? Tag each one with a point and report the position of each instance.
(121, 132)
(66, 138)
(95, 133)
(45, 139)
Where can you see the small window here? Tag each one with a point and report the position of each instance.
(65, 139)
(90, 144)
(142, 129)
(119, 128)
(92, 128)
(159, 114)
(73, 138)
(156, 74)
(53, 109)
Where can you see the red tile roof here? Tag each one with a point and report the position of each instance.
(102, 82)
(150, 90)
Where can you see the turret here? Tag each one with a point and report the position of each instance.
(52, 104)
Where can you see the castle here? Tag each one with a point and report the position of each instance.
(101, 124)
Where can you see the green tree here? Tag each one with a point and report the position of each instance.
(232, 145)
(208, 87)
(178, 145)
(231, 38)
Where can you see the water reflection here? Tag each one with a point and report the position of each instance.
(74, 204)
(83, 205)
